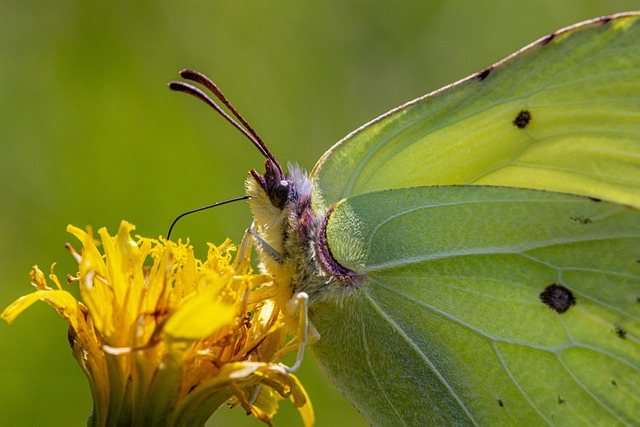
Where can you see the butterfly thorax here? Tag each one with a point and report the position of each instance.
(298, 254)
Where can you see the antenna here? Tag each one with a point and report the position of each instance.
(237, 199)
(245, 128)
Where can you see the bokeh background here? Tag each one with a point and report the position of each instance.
(90, 135)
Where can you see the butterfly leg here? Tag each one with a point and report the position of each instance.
(268, 249)
(245, 246)
(301, 302)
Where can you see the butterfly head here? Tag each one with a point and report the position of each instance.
(285, 223)
(278, 200)
(273, 183)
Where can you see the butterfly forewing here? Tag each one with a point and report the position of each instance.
(560, 115)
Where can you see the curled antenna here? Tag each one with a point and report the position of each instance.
(209, 84)
(245, 128)
(202, 209)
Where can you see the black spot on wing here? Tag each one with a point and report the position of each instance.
(561, 400)
(621, 333)
(547, 39)
(605, 19)
(595, 199)
(500, 403)
(614, 383)
(558, 297)
(522, 119)
(580, 219)
(484, 73)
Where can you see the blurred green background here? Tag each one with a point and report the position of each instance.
(91, 135)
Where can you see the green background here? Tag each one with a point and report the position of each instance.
(91, 135)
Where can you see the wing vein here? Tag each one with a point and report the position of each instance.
(422, 355)
(516, 383)
(381, 388)
(485, 250)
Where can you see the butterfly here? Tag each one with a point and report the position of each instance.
(473, 256)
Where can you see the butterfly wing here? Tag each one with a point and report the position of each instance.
(487, 306)
(562, 114)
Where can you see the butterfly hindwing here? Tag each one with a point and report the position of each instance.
(485, 305)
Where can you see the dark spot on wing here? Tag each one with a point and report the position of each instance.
(500, 403)
(484, 73)
(558, 297)
(614, 383)
(595, 199)
(547, 39)
(621, 333)
(580, 219)
(637, 299)
(522, 119)
(605, 19)
(561, 400)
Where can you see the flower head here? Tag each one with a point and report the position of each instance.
(167, 343)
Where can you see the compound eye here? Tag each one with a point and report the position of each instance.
(279, 193)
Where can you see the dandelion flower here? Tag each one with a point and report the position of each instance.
(166, 339)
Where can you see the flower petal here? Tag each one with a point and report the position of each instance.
(64, 303)
(198, 316)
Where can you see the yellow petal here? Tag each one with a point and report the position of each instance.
(301, 400)
(91, 256)
(64, 303)
(198, 316)
(38, 280)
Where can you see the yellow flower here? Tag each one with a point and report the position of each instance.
(170, 342)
